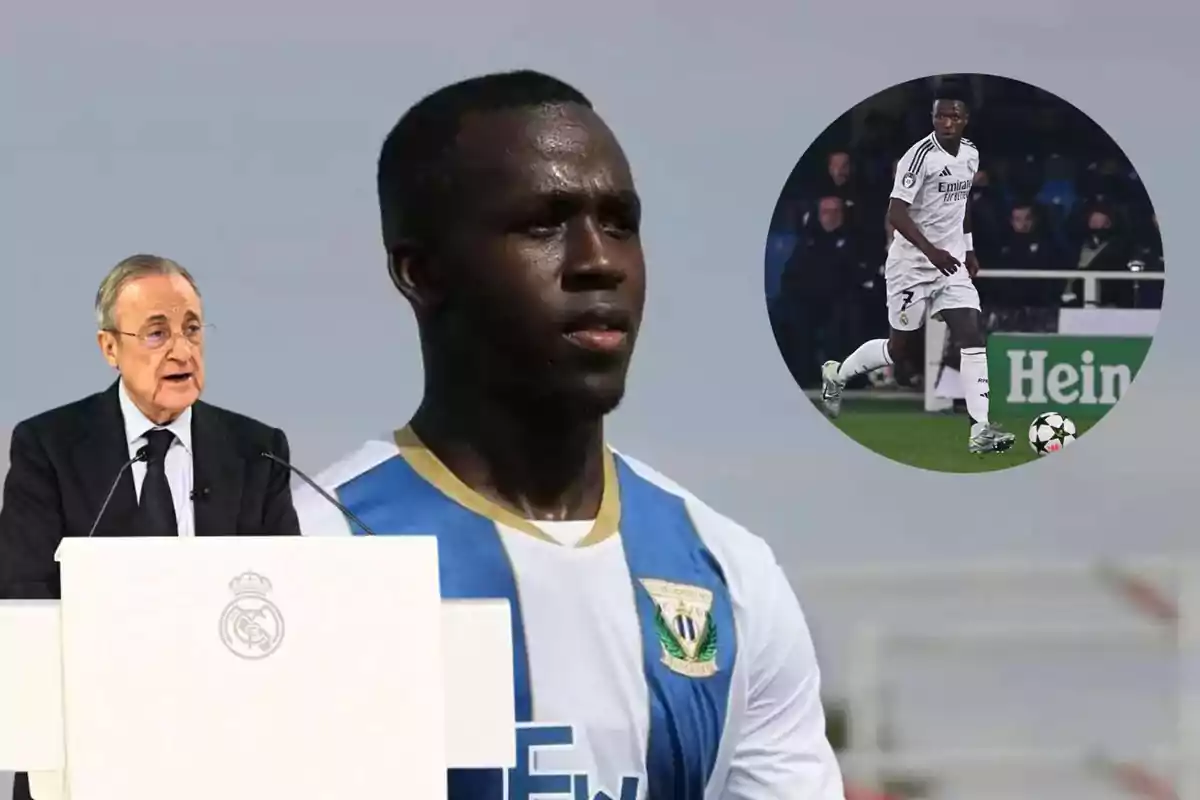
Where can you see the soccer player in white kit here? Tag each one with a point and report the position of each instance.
(658, 650)
(930, 266)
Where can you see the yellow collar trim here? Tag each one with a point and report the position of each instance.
(429, 467)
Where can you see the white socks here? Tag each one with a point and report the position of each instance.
(869, 357)
(974, 373)
(874, 355)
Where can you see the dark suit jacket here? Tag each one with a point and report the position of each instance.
(64, 461)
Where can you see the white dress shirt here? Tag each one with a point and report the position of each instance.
(178, 463)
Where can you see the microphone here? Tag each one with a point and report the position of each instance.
(198, 495)
(142, 455)
(332, 500)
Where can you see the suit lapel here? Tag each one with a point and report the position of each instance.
(98, 457)
(217, 469)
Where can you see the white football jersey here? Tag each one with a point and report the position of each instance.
(661, 655)
(937, 187)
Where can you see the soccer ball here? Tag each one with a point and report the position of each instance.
(1050, 432)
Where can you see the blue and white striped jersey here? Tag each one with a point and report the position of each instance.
(659, 653)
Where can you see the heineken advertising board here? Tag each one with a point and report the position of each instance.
(1079, 374)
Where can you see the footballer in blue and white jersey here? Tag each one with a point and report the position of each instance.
(659, 652)
(659, 649)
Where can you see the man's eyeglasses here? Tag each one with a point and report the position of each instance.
(155, 337)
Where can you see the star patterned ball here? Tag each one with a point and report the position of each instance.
(1050, 432)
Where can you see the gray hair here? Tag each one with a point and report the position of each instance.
(130, 269)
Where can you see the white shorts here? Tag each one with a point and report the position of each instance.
(915, 289)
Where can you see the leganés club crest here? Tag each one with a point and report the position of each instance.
(684, 623)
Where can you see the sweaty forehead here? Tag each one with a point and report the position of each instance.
(561, 148)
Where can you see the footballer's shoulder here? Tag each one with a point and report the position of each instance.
(918, 156)
(922, 145)
(728, 539)
(359, 461)
(319, 517)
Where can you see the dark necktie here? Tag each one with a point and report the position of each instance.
(158, 507)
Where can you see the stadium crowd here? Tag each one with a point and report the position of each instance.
(1053, 192)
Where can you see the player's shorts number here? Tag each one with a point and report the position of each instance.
(908, 295)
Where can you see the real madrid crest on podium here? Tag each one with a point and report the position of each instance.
(251, 625)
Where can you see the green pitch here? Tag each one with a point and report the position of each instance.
(903, 432)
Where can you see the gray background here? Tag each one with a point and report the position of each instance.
(240, 139)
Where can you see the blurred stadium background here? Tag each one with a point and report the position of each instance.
(996, 681)
(1072, 260)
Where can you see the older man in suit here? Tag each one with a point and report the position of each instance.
(197, 470)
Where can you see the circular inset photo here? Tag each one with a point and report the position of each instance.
(964, 273)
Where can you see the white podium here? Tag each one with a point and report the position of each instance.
(245, 668)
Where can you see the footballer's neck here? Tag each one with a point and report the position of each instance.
(949, 144)
(538, 465)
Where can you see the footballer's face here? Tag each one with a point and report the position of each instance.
(546, 276)
(950, 117)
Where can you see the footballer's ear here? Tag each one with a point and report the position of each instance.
(412, 272)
